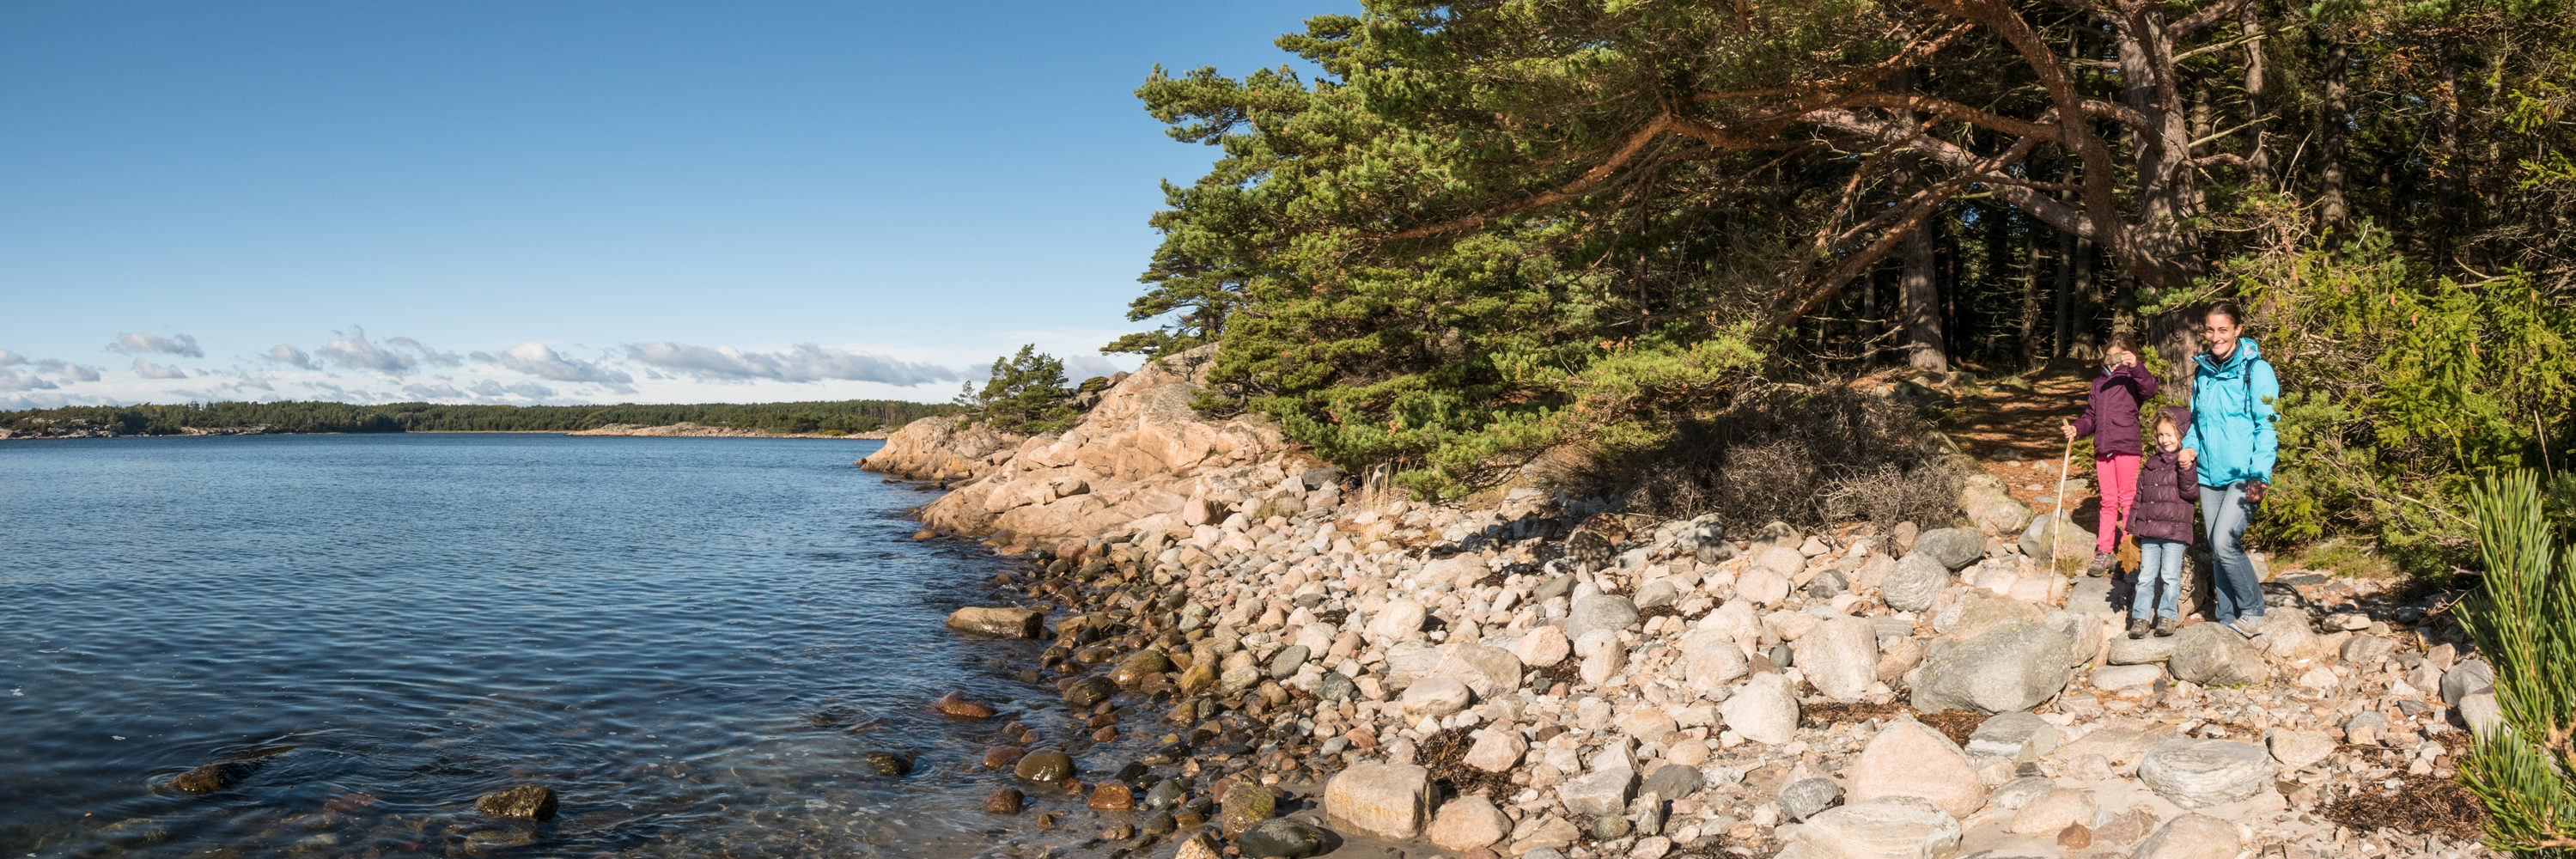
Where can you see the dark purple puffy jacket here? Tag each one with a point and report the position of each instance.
(2166, 492)
(2112, 410)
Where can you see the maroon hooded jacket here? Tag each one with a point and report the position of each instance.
(2166, 490)
(2112, 410)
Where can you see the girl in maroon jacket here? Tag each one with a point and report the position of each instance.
(2166, 489)
(2111, 418)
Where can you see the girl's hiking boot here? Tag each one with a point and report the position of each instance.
(2164, 627)
(2102, 563)
(2138, 627)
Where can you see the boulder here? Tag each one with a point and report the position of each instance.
(1387, 800)
(1952, 547)
(999, 622)
(2021, 792)
(2210, 654)
(1285, 663)
(1915, 581)
(1285, 836)
(2072, 540)
(2141, 651)
(1991, 508)
(1765, 710)
(2055, 811)
(1909, 759)
(1603, 792)
(1005, 800)
(523, 802)
(1840, 657)
(2112, 678)
(2015, 736)
(209, 778)
(2191, 836)
(1981, 610)
(1599, 611)
(1893, 828)
(1467, 823)
(2200, 773)
(2013, 666)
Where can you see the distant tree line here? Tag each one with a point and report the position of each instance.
(844, 416)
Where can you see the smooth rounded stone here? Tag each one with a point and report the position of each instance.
(1659, 592)
(2072, 541)
(2141, 651)
(1603, 664)
(1246, 805)
(1599, 611)
(2464, 678)
(1764, 710)
(2017, 736)
(1780, 561)
(2111, 678)
(1909, 759)
(1336, 686)
(2483, 713)
(1917, 579)
(1953, 547)
(522, 802)
(886, 763)
(1005, 800)
(2297, 749)
(1113, 796)
(2021, 792)
(1826, 585)
(1487, 671)
(955, 705)
(999, 757)
(1467, 823)
(1713, 667)
(1840, 656)
(1089, 691)
(1285, 836)
(1497, 749)
(2288, 638)
(1649, 726)
(1169, 792)
(999, 622)
(1674, 781)
(1610, 827)
(2201, 773)
(1436, 696)
(2210, 654)
(1140, 665)
(1763, 587)
(209, 778)
(1290, 658)
(1387, 800)
(1044, 766)
(2013, 666)
(1603, 792)
(1543, 647)
(2365, 650)
(1901, 827)
(1399, 620)
(2054, 812)
(1808, 797)
(2191, 836)
(1982, 610)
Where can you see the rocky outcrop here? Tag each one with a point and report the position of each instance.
(691, 429)
(1142, 461)
(943, 447)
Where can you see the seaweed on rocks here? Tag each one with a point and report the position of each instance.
(1445, 755)
(1955, 724)
(2420, 804)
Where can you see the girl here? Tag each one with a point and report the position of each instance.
(2232, 443)
(2111, 417)
(2162, 520)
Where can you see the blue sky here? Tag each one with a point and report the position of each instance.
(580, 201)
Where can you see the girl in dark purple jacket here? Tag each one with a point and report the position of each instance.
(2111, 418)
(2162, 521)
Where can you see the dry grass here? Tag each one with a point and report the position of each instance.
(2421, 804)
(1809, 456)
(1445, 753)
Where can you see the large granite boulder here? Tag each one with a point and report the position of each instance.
(2013, 666)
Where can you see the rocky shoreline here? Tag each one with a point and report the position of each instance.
(1529, 677)
(687, 429)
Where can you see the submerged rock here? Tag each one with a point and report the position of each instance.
(524, 802)
(1002, 622)
(1045, 766)
(211, 777)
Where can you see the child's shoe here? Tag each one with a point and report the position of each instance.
(2137, 627)
(2102, 563)
(2164, 627)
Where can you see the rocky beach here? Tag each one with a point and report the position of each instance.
(1329, 670)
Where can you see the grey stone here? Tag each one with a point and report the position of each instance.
(1000, 622)
(2141, 651)
(2464, 678)
(1916, 580)
(1808, 797)
(1826, 584)
(1290, 658)
(1553, 588)
(2201, 773)
(2072, 540)
(1674, 781)
(1897, 827)
(2367, 650)
(1336, 687)
(2021, 791)
(1599, 611)
(1605, 792)
(2016, 735)
(2210, 654)
(1285, 836)
(1657, 592)
(1840, 656)
(2091, 595)
(2013, 666)
(1953, 547)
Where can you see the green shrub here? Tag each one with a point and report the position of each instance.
(1026, 394)
(2524, 620)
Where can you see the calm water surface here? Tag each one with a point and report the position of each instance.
(692, 640)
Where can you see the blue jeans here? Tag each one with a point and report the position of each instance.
(2159, 562)
(2237, 593)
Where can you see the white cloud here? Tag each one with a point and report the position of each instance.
(354, 351)
(69, 371)
(541, 361)
(21, 380)
(1080, 367)
(7, 358)
(150, 370)
(290, 356)
(137, 342)
(493, 388)
(427, 355)
(804, 362)
(440, 391)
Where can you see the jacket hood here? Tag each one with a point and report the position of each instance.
(2246, 350)
(2180, 416)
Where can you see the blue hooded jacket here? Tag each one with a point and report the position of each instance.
(2232, 412)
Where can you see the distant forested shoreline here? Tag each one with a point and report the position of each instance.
(826, 417)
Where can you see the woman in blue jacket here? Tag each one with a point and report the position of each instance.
(2232, 445)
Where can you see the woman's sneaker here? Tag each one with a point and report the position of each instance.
(2247, 625)
(2164, 627)
(2102, 563)
(2137, 627)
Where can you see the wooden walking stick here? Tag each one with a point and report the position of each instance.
(2056, 526)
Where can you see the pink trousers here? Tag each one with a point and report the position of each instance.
(2118, 476)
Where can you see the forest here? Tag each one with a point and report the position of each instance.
(1458, 235)
(843, 416)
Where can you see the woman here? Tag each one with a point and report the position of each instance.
(2232, 445)
(2111, 417)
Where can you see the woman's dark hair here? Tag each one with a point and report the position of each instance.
(2228, 309)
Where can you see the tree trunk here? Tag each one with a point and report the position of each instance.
(2258, 158)
(2061, 345)
(1924, 349)
(2029, 299)
(2168, 198)
(2333, 215)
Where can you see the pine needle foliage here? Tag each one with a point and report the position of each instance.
(2525, 624)
(1025, 394)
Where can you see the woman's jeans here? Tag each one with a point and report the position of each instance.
(2117, 476)
(2159, 566)
(2237, 593)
